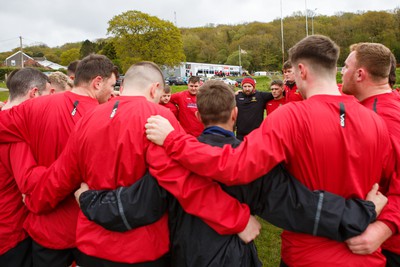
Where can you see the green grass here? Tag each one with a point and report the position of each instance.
(269, 244)
(3, 96)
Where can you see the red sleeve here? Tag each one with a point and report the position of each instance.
(13, 123)
(57, 182)
(174, 98)
(390, 215)
(24, 167)
(260, 151)
(198, 196)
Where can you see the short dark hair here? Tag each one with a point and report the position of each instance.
(317, 49)
(392, 74)
(9, 76)
(167, 89)
(287, 65)
(24, 80)
(71, 69)
(194, 79)
(92, 66)
(277, 82)
(215, 102)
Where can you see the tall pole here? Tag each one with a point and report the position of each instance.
(312, 21)
(22, 54)
(306, 18)
(283, 45)
(240, 61)
(176, 25)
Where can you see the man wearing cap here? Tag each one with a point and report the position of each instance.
(251, 104)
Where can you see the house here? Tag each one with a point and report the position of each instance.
(15, 61)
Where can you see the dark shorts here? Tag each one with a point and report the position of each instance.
(392, 259)
(89, 261)
(19, 256)
(45, 257)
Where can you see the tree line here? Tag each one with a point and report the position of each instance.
(136, 36)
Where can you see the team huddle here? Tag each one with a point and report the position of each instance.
(147, 178)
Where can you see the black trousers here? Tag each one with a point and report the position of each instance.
(84, 260)
(19, 256)
(45, 257)
(392, 259)
(283, 264)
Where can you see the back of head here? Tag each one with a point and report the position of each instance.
(319, 51)
(24, 80)
(392, 74)
(215, 102)
(92, 66)
(374, 57)
(142, 74)
(71, 69)
(60, 82)
(9, 76)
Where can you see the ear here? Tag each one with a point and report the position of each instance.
(96, 82)
(302, 70)
(234, 113)
(198, 116)
(153, 89)
(34, 92)
(360, 74)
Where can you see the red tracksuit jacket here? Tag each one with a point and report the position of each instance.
(187, 110)
(388, 107)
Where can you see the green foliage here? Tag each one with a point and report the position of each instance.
(139, 36)
(87, 48)
(69, 56)
(4, 71)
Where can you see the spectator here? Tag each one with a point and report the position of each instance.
(251, 105)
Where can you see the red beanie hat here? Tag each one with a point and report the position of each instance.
(249, 80)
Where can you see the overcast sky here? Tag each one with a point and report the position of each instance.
(56, 22)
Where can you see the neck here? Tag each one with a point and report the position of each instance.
(226, 126)
(372, 89)
(14, 102)
(83, 90)
(321, 87)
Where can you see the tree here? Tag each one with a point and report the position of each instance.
(69, 56)
(139, 36)
(87, 48)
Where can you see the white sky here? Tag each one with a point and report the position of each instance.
(56, 22)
